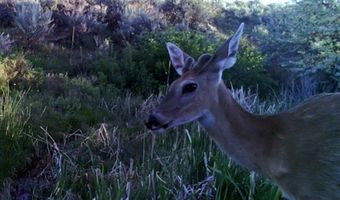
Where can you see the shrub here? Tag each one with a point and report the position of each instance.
(302, 37)
(249, 71)
(77, 26)
(173, 13)
(127, 20)
(17, 73)
(5, 43)
(140, 23)
(252, 13)
(152, 55)
(118, 76)
(114, 14)
(55, 85)
(66, 104)
(190, 14)
(7, 14)
(33, 22)
(55, 60)
(48, 4)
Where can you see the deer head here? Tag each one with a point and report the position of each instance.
(194, 94)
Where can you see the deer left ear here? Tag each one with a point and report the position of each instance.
(179, 59)
(225, 56)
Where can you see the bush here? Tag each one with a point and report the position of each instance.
(7, 14)
(55, 60)
(129, 19)
(5, 43)
(114, 14)
(190, 14)
(118, 76)
(252, 13)
(76, 26)
(302, 37)
(151, 53)
(33, 22)
(249, 71)
(73, 105)
(17, 73)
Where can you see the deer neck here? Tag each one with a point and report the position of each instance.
(242, 135)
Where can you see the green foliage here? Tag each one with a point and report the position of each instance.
(117, 76)
(145, 69)
(65, 105)
(59, 60)
(51, 64)
(152, 55)
(233, 13)
(249, 70)
(16, 72)
(303, 36)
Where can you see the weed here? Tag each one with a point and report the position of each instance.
(15, 149)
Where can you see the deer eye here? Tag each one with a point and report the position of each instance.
(188, 88)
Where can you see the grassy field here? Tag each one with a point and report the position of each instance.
(120, 159)
(78, 78)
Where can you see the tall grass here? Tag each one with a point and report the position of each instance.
(13, 131)
(122, 160)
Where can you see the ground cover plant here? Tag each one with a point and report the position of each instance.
(79, 77)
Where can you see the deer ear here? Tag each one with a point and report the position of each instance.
(225, 56)
(178, 57)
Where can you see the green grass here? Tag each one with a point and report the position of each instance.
(120, 159)
(14, 148)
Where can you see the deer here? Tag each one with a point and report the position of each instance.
(298, 149)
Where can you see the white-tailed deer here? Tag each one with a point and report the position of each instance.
(298, 149)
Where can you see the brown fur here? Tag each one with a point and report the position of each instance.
(298, 149)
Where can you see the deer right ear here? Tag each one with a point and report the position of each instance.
(225, 55)
(178, 57)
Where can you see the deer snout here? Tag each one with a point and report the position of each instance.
(156, 123)
(152, 122)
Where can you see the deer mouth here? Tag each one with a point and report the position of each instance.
(159, 128)
(155, 125)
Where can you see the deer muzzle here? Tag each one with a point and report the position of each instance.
(155, 123)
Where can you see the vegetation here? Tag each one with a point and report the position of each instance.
(302, 37)
(78, 77)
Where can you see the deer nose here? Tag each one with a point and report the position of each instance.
(152, 122)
